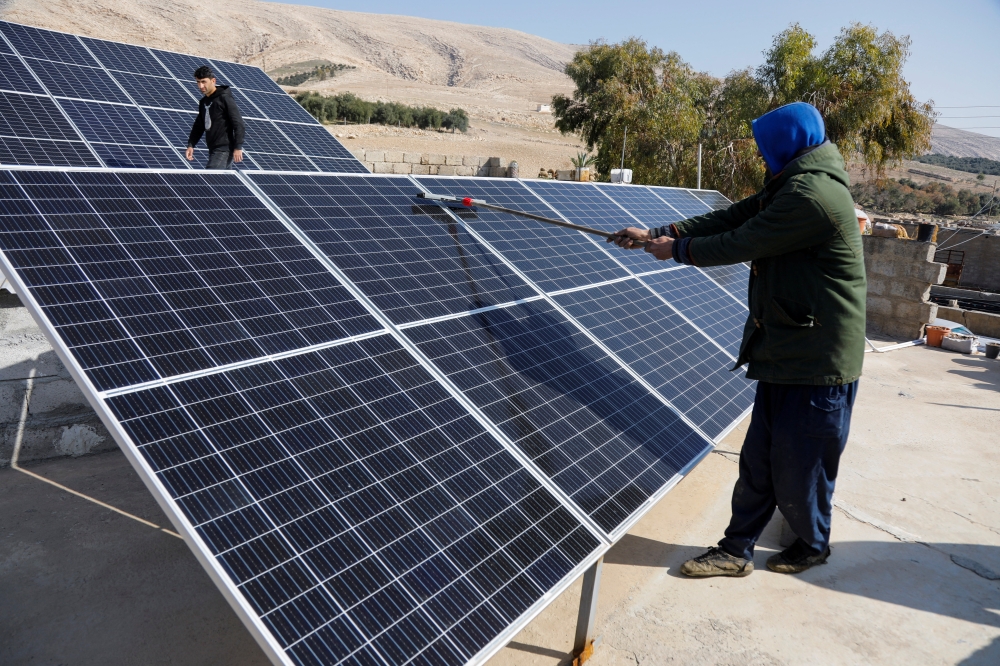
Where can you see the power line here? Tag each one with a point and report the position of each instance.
(961, 117)
(982, 106)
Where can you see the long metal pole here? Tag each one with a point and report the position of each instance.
(699, 167)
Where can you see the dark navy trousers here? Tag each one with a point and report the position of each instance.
(789, 460)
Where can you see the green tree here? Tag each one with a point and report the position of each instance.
(669, 108)
(457, 119)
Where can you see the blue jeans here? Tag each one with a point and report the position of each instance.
(790, 458)
(219, 158)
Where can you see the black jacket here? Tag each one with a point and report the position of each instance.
(227, 123)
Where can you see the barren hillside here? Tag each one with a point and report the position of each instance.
(960, 143)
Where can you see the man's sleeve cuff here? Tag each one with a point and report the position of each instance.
(668, 230)
(682, 251)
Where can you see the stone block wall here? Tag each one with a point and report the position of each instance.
(430, 164)
(900, 275)
(981, 323)
(59, 420)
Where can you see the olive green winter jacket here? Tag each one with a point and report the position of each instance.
(807, 279)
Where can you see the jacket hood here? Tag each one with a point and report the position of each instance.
(825, 158)
(783, 133)
(219, 90)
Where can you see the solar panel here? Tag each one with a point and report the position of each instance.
(34, 117)
(88, 70)
(360, 513)
(551, 257)
(125, 57)
(139, 157)
(712, 199)
(413, 261)
(14, 76)
(683, 201)
(682, 363)
(14, 150)
(63, 80)
(650, 209)
(148, 276)
(599, 434)
(732, 278)
(706, 304)
(583, 203)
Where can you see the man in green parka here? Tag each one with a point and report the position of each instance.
(803, 341)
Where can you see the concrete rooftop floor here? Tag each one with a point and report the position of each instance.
(918, 516)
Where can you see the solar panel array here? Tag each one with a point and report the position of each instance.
(67, 100)
(392, 432)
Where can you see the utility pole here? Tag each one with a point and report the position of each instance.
(623, 146)
(699, 166)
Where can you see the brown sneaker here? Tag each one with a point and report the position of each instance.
(717, 562)
(796, 558)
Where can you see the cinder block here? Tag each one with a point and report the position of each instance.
(446, 170)
(435, 159)
(981, 323)
(394, 156)
(421, 170)
(382, 167)
(472, 161)
(498, 171)
(433, 169)
(876, 305)
(401, 167)
(483, 171)
(453, 160)
(375, 156)
(877, 285)
(370, 166)
(496, 162)
(359, 153)
(907, 289)
(465, 171)
(411, 158)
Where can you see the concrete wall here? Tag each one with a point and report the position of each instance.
(60, 421)
(982, 255)
(980, 323)
(900, 275)
(430, 164)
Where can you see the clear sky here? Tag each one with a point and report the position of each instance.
(955, 50)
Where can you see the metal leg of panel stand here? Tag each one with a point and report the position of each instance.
(583, 646)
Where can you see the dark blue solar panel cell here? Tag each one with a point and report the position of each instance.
(64, 80)
(139, 157)
(174, 124)
(734, 279)
(112, 123)
(552, 257)
(269, 162)
(30, 116)
(280, 107)
(246, 107)
(34, 152)
(333, 165)
(316, 140)
(411, 259)
(651, 210)
(156, 91)
(705, 303)
(247, 77)
(262, 136)
(191, 270)
(182, 66)
(4, 46)
(583, 203)
(599, 434)
(682, 200)
(37, 43)
(355, 505)
(15, 76)
(712, 199)
(125, 57)
(669, 353)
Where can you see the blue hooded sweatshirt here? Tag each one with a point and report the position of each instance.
(783, 133)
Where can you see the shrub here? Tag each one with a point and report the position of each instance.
(353, 109)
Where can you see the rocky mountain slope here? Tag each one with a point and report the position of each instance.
(961, 143)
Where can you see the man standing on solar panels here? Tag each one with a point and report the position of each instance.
(804, 338)
(219, 120)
